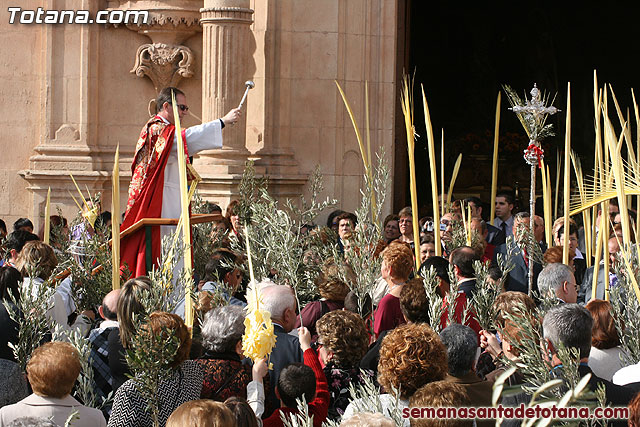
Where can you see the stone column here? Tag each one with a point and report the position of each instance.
(226, 65)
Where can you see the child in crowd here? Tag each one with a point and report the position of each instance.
(296, 381)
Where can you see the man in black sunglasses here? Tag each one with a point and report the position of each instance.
(154, 191)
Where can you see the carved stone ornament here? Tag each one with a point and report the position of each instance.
(164, 64)
(168, 21)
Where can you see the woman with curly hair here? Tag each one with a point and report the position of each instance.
(342, 342)
(411, 356)
(441, 394)
(397, 265)
(332, 294)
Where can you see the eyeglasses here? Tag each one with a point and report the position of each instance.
(183, 107)
(445, 222)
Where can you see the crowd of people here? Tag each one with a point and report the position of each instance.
(329, 345)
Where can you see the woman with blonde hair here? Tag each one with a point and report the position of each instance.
(129, 304)
(52, 371)
(36, 262)
(201, 413)
(182, 385)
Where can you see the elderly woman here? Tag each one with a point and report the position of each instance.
(411, 356)
(183, 384)
(52, 372)
(342, 342)
(604, 358)
(221, 364)
(36, 262)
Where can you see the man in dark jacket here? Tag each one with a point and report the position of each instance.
(570, 325)
(462, 348)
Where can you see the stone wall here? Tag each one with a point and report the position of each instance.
(70, 98)
(21, 97)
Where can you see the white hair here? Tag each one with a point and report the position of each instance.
(223, 328)
(276, 299)
(552, 277)
(569, 325)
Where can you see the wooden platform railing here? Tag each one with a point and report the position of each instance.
(148, 223)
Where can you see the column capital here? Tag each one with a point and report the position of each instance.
(213, 4)
(231, 15)
(164, 64)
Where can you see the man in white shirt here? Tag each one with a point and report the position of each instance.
(154, 191)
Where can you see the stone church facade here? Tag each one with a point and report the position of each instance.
(73, 92)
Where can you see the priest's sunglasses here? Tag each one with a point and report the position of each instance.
(183, 107)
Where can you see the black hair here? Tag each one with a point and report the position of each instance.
(165, 96)
(347, 215)
(463, 258)
(10, 279)
(221, 263)
(108, 314)
(507, 196)
(351, 304)
(439, 264)
(572, 230)
(18, 239)
(241, 411)
(295, 381)
(22, 222)
(103, 218)
(332, 215)
(3, 226)
(214, 207)
(427, 238)
(495, 273)
(475, 200)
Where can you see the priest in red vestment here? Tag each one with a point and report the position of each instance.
(154, 191)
